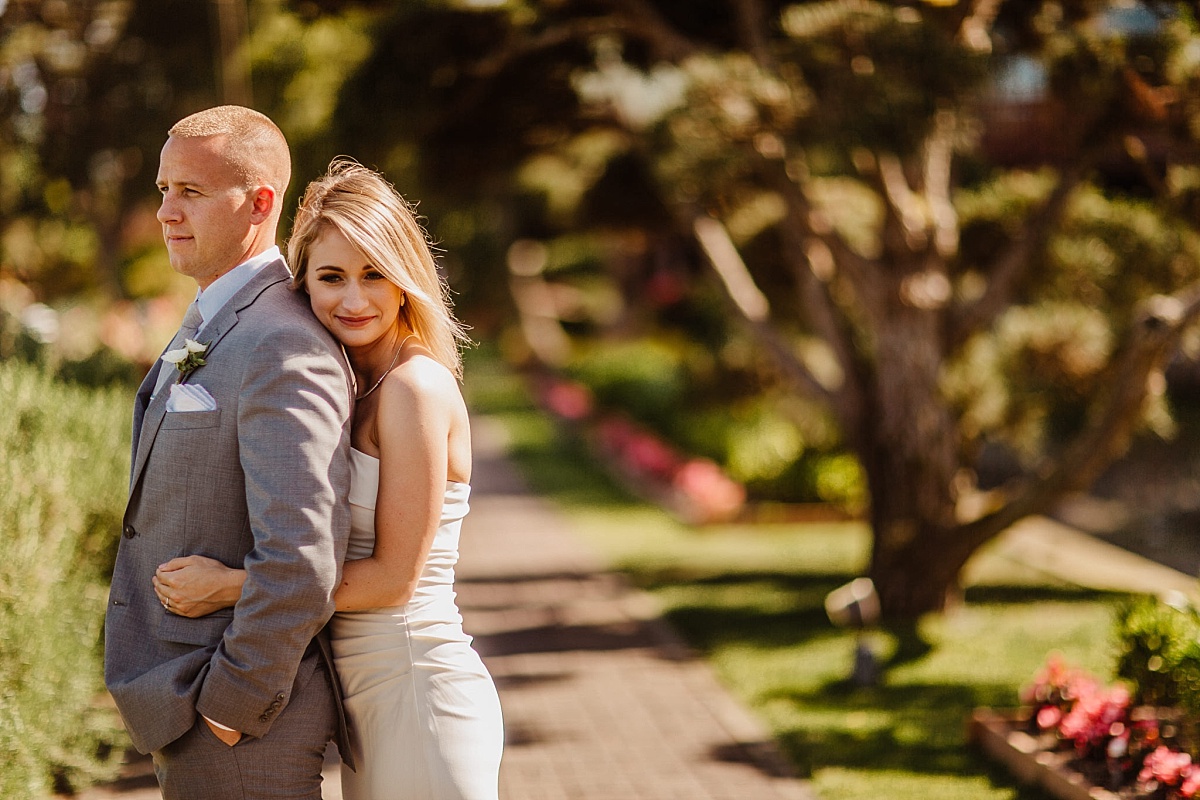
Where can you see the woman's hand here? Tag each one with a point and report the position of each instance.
(193, 586)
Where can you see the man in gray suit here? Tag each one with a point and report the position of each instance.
(240, 453)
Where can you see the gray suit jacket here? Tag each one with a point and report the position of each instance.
(259, 483)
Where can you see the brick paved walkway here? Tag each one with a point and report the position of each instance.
(601, 700)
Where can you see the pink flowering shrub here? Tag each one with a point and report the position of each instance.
(1092, 718)
(1129, 746)
(696, 489)
(567, 399)
(1055, 687)
(1164, 768)
(709, 492)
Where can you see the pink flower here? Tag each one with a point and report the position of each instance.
(645, 453)
(1191, 781)
(569, 400)
(1056, 683)
(1090, 720)
(707, 491)
(1048, 717)
(1166, 766)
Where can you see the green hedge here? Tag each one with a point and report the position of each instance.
(1157, 647)
(64, 455)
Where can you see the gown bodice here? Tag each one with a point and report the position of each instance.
(425, 718)
(437, 575)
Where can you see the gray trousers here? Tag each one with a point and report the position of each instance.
(283, 765)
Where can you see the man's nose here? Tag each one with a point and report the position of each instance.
(168, 211)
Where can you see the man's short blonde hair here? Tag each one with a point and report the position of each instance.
(254, 146)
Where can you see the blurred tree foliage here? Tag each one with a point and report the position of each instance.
(87, 90)
(921, 232)
(958, 227)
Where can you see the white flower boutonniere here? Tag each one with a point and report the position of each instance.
(186, 359)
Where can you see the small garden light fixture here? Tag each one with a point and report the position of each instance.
(856, 605)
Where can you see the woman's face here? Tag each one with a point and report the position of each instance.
(349, 295)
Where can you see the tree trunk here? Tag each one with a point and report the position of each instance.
(919, 576)
(907, 444)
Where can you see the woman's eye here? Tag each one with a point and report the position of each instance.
(329, 278)
(374, 276)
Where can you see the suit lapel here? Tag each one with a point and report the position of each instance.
(148, 414)
(140, 403)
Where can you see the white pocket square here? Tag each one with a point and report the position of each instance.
(190, 397)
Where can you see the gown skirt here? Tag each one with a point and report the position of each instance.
(424, 714)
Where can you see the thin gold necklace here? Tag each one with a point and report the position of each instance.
(391, 366)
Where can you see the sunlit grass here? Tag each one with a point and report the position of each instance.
(749, 598)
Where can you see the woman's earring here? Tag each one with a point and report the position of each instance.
(403, 298)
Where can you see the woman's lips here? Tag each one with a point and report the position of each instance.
(355, 322)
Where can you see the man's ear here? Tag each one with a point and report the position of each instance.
(263, 200)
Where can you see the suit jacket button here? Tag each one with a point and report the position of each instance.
(263, 718)
(279, 698)
(129, 532)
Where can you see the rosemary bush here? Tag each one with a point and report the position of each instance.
(64, 454)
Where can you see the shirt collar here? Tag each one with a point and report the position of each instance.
(214, 298)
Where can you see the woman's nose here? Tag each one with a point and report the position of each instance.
(354, 298)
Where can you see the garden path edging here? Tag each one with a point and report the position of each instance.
(998, 736)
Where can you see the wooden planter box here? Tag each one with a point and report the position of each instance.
(1001, 738)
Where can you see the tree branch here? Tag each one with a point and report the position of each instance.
(1160, 323)
(643, 21)
(1012, 265)
(815, 223)
(939, 156)
(812, 265)
(975, 27)
(751, 304)
(752, 24)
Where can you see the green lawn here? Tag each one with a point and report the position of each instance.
(750, 599)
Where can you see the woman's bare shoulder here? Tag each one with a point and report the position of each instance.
(421, 382)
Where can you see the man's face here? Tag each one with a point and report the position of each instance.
(206, 209)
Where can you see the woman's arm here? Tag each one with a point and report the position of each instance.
(419, 403)
(193, 586)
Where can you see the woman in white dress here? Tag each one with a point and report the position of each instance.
(423, 710)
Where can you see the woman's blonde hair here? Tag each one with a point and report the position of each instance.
(364, 207)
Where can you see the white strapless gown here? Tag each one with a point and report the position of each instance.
(423, 710)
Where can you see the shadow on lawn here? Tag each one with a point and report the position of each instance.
(722, 607)
(907, 727)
